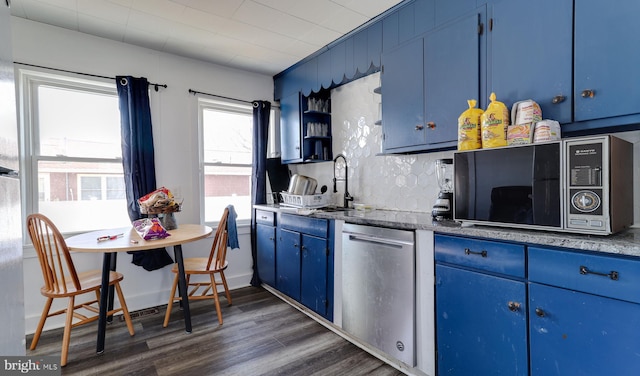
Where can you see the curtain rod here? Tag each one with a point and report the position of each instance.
(156, 86)
(194, 92)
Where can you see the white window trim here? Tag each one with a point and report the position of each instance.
(29, 80)
(218, 105)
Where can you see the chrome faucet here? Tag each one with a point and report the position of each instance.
(347, 196)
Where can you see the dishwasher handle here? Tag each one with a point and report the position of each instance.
(379, 241)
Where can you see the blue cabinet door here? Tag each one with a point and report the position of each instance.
(452, 58)
(447, 10)
(266, 253)
(290, 137)
(606, 59)
(314, 274)
(481, 323)
(574, 333)
(531, 56)
(403, 97)
(288, 261)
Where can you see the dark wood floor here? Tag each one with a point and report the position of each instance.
(261, 335)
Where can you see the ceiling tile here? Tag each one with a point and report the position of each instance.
(49, 14)
(149, 23)
(202, 20)
(223, 8)
(159, 8)
(342, 22)
(263, 17)
(370, 8)
(104, 10)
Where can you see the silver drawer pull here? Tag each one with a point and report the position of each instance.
(613, 274)
(482, 253)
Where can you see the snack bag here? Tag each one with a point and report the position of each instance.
(524, 116)
(150, 228)
(546, 130)
(494, 123)
(469, 127)
(159, 201)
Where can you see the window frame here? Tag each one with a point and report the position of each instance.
(29, 80)
(234, 106)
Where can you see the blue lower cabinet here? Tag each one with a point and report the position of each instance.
(288, 263)
(304, 259)
(574, 333)
(481, 323)
(266, 253)
(314, 275)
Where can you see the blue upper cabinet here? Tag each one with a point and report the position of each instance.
(290, 128)
(452, 57)
(361, 61)
(426, 84)
(390, 31)
(607, 59)
(309, 82)
(338, 62)
(374, 44)
(447, 10)
(403, 97)
(532, 65)
(425, 16)
(324, 69)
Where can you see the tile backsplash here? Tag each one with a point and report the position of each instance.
(395, 182)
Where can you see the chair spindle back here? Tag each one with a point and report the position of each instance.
(55, 260)
(218, 255)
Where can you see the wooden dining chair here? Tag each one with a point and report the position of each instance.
(61, 280)
(216, 263)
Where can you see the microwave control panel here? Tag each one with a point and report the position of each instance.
(599, 185)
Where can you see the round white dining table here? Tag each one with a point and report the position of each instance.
(127, 239)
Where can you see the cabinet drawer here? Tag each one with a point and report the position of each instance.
(608, 276)
(306, 225)
(498, 257)
(266, 217)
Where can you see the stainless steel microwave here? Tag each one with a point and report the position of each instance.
(581, 185)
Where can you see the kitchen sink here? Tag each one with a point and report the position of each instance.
(333, 209)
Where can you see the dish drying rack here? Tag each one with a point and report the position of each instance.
(305, 201)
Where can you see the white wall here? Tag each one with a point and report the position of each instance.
(174, 116)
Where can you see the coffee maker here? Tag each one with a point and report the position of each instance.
(443, 207)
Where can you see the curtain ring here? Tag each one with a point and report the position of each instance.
(124, 81)
(256, 104)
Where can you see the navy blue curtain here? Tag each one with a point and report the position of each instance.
(261, 113)
(138, 157)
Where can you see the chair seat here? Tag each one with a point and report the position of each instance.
(197, 265)
(90, 281)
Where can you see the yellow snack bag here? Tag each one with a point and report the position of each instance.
(469, 127)
(495, 121)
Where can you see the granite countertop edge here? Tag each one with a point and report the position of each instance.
(623, 243)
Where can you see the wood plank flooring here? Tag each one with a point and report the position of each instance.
(261, 335)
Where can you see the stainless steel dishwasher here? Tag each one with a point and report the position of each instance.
(378, 288)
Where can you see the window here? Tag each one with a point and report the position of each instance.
(72, 152)
(227, 141)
